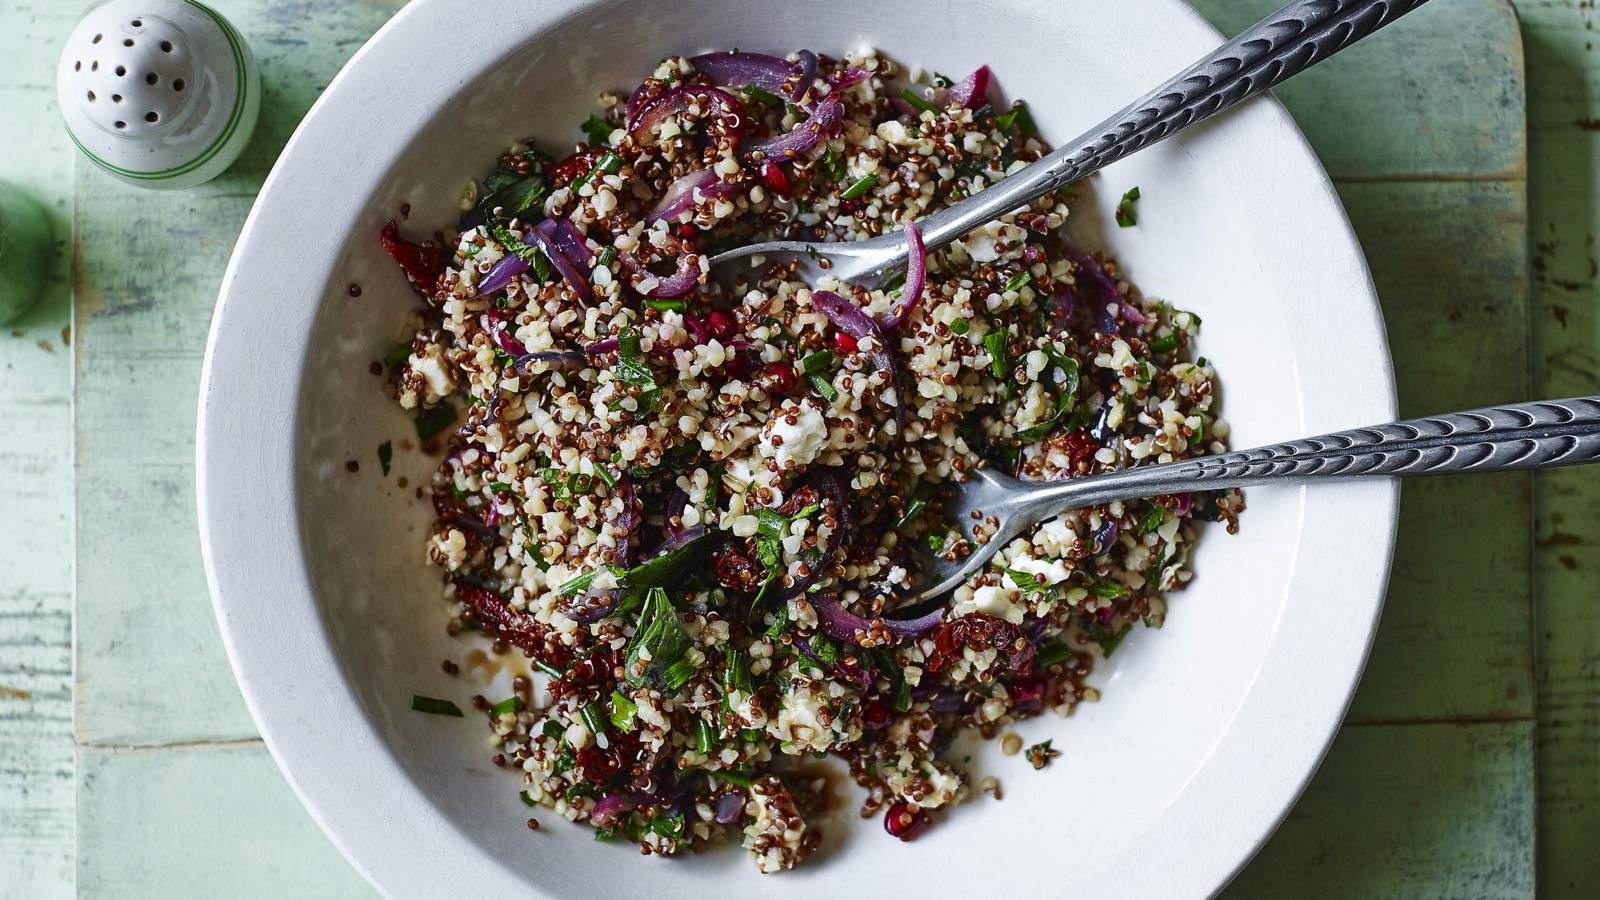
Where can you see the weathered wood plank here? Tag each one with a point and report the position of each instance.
(1436, 95)
(205, 821)
(132, 324)
(1408, 811)
(36, 772)
(150, 667)
(1564, 90)
(1456, 638)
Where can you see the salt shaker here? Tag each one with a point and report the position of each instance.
(158, 93)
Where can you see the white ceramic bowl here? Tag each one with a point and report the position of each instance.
(1208, 728)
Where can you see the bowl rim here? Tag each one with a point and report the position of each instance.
(239, 458)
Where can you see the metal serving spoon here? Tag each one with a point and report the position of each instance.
(1299, 35)
(1542, 434)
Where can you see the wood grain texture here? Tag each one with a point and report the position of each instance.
(1456, 640)
(151, 668)
(36, 773)
(1433, 810)
(1564, 124)
(226, 826)
(1424, 808)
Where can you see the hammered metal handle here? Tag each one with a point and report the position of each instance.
(1294, 38)
(1542, 434)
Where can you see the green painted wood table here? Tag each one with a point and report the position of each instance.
(1469, 764)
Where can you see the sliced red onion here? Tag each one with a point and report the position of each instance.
(729, 807)
(675, 99)
(856, 675)
(592, 606)
(636, 100)
(1185, 500)
(450, 512)
(831, 486)
(973, 91)
(494, 322)
(806, 136)
(628, 520)
(674, 510)
(686, 536)
(1110, 304)
(540, 237)
(1101, 539)
(807, 62)
(681, 282)
(852, 320)
(696, 329)
(1101, 430)
(840, 623)
(572, 244)
(681, 194)
(566, 360)
(612, 808)
(916, 274)
(852, 75)
(602, 346)
(736, 69)
(505, 269)
(1062, 306)
(950, 702)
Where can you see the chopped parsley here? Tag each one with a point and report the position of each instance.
(385, 455)
(512, 704)
(1108, 645)
(999, 362)
(608, 255)
(1125, 213)
(1110, 590)
(1164, 343)
(1027, 583)
(862, 185)
(513, 245)
(1017, 281)
(661, 636)
(595, 717)
(597, 130)
(909, 517)
(917, 100)
(761, 96)
(434, 705)
(1150, 521)
(608, 164)
(1051, 654)
(623, 711)
(1066, 395)
(397, 356)
(1021, 118)
(834, 166)
(515, 200)
(678, 305)
(433, 422)
(632, 371)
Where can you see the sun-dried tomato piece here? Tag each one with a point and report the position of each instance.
(801, 498)
(1079, 447)
(575, 166)
(422, 262)
(736, 568)
(981, 630)
(498, 620)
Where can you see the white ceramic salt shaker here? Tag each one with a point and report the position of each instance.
(159, 93)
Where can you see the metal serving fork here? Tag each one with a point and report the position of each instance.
(1294, 38)
(1541, 434)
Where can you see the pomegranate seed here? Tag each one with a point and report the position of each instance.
(737, 366)
(777, 378)
(772, 174)
(876, 716)
(687, 231)
(843, 343)
(904, 822)
(1025, 691)
(720, 323)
